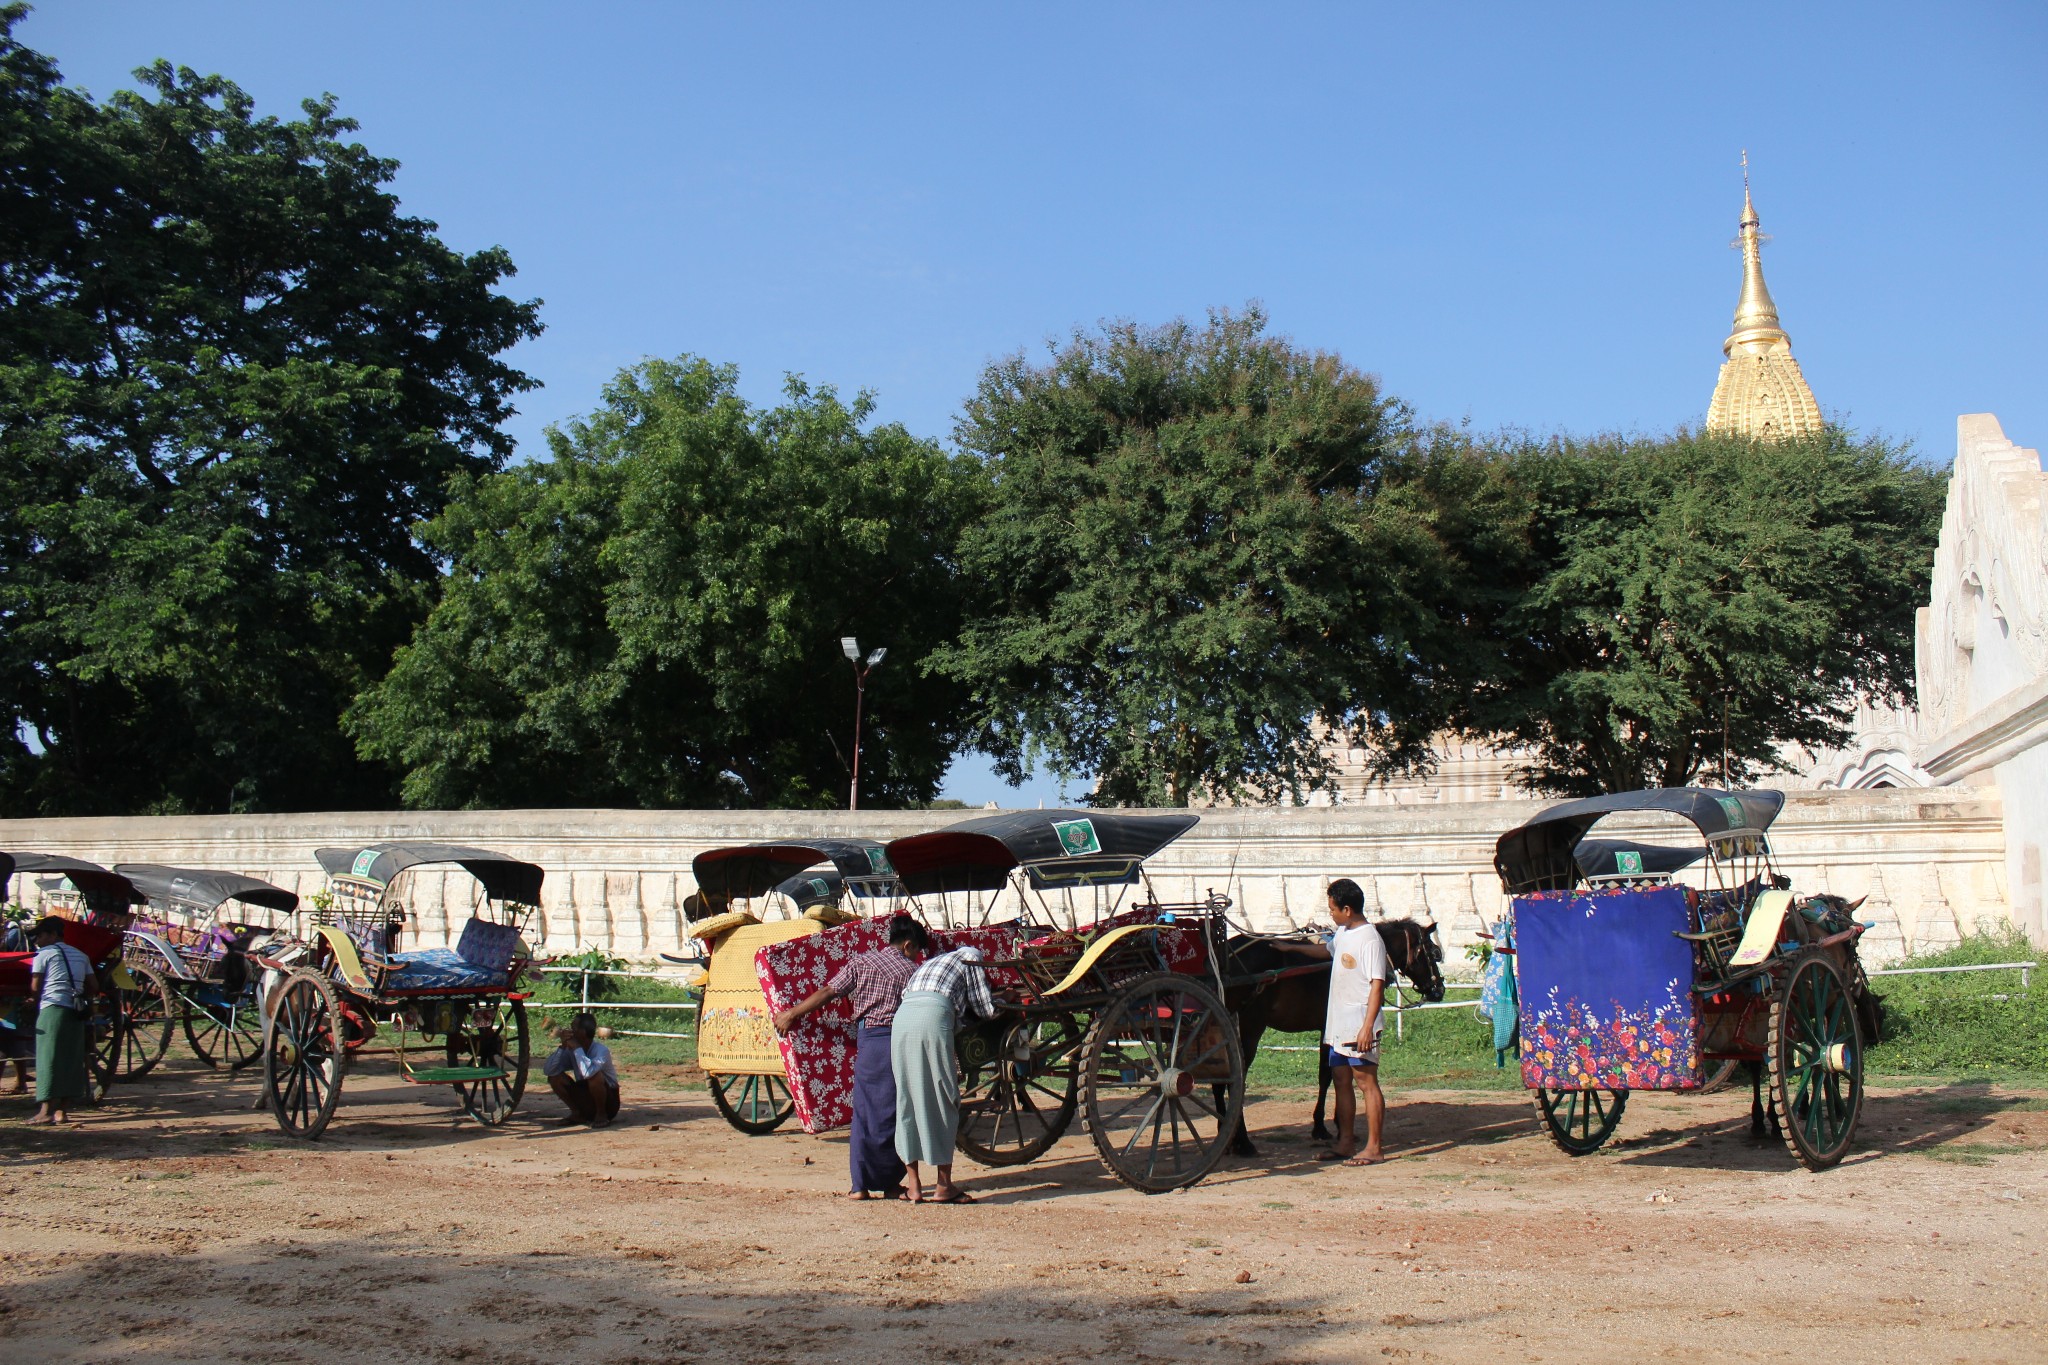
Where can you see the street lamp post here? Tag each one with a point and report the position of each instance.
(849, 646)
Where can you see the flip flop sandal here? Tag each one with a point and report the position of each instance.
(957, 1197)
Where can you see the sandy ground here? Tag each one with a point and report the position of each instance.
(176, 1225)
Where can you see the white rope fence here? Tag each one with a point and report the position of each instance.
(2025, 969)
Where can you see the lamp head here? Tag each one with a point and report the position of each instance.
(876, 657)
(850, 647)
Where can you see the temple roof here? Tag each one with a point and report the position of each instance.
(1761, 392)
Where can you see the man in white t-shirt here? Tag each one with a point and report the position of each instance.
(1351, 1022)
(582, 1074)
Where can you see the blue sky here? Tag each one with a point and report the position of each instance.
(1516, 215)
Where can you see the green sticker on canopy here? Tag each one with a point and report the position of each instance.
(878, 862)
(819, 887)
(1733, 810)
(1629, 863)
(1077, 837)
(365, 860)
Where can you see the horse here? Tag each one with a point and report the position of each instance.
(1295, 1004)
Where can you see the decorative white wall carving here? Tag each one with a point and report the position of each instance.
(1982, 649)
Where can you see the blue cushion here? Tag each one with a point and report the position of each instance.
(487, 945)
(438, 968)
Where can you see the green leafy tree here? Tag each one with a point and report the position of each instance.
(233, 375)
(652, 615)
(1196, 567)
(1630, 604)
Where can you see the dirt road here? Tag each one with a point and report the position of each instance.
(176, 1225)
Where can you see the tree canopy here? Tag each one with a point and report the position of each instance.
(1189, 576)
(1665, 595)
(651, 616)
(233, 374)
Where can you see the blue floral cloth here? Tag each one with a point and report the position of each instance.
(1606, 987)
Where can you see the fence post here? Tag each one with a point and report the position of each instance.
(586, 989)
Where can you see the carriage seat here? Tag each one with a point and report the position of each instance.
(482, 957)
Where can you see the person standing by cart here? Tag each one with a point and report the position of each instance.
(1352, 1021)
(875, 980)
(927, 1076)
(61, 981)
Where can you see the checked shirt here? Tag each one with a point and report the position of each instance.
(875, 980)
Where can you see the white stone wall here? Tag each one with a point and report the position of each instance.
(1931, 861)
(1982, 649)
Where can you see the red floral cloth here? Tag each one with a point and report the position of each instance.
(817, 1054)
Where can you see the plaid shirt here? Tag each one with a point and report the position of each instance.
(960, 975)
(875, 980)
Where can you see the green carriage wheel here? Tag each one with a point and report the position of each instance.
(493, 1035)
(225, 1036)
(1816, 1059)
(1149, 1070)
(1578, 1121)
(1018, 1087)
(756, 1105)
(304, 1053)
(139, 1028)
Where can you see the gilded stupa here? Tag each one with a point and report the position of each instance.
(1761, 393)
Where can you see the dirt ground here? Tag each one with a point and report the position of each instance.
(176, 1225)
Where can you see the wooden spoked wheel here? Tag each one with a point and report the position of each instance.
(1163, 1077)
(1017, 1087)
(303, 1054)
(1816, 1059)
(225, 1034)
(1578, 1121)
(756, 1105)
(141, 1025)
(491, 1033)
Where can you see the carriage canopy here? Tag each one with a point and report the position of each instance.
(504, 878)
(1602, 858)
(199, 891)
(1054, 847)
(1540, 854)
(747, 871)
(96, 883)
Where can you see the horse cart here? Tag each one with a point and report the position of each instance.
(1118, 1012)
(131, 1020)
(329, 993)
(197, 938)
(1631, 980)
(819, 881)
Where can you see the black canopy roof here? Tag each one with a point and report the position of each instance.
(746, 871)
(203, 890)
(92, 880)
(1604, 858)
(1539, 853)
(813, 888)
(504, 878)
(1056, 847)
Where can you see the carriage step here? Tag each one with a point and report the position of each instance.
(447, 1075)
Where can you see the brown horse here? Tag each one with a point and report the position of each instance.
(1295, 1004)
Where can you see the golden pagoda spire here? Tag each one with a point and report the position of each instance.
(1761, 393)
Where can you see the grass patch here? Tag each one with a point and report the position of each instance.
(1953, 1023)
(1436, 1049)
(560, 995)
(1970, 1153)
(1276, 1204)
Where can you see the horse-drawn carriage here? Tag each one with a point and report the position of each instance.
(816, 881)
(328, 993)
(130, 1022)
(196, 939)
(1119, 1011)
(1630, 980)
